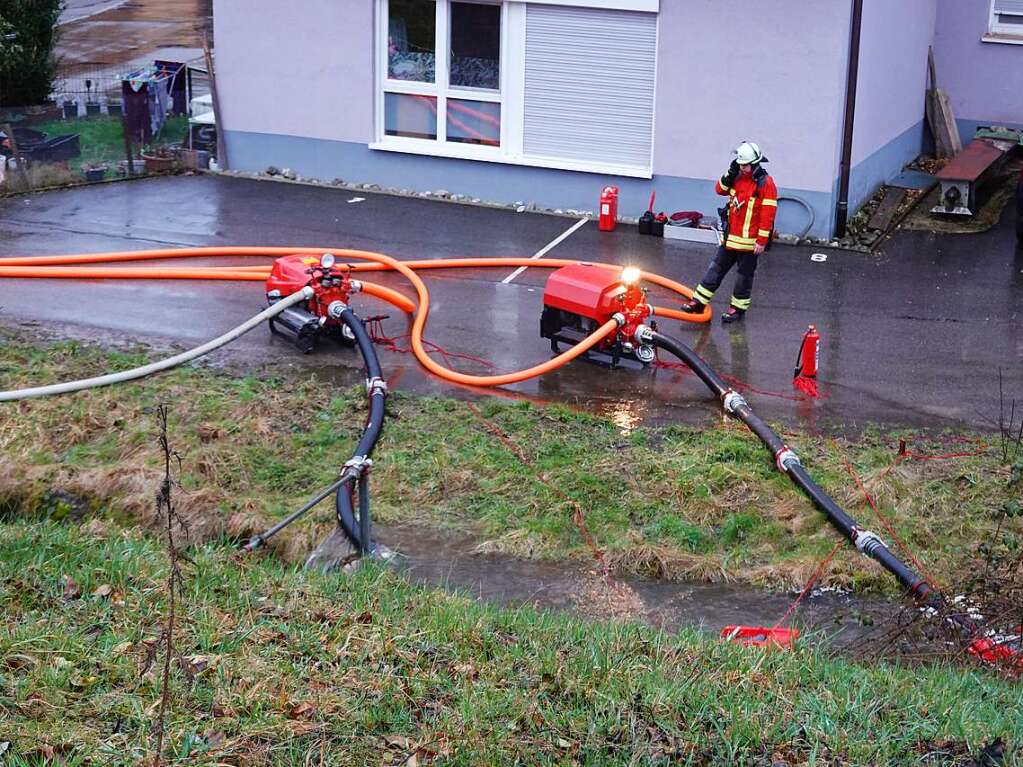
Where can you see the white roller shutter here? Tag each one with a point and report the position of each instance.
(589, 85)
(1011, 7)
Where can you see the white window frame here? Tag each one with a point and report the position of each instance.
(511, 95)
(1002, 33)
(438, 89)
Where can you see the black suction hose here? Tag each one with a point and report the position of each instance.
(788, 462)
(358, 529)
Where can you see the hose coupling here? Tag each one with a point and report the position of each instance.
(375, 385)
(867, 542)
(356, 286)
(785, 459)
(356, 466)
(619, 318)
(644, 334)
(336, 309)
(308, 292)
(255, 542)
(731, 401)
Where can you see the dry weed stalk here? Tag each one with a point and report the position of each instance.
(165, 511)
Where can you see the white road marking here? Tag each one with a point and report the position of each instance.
(547, 248)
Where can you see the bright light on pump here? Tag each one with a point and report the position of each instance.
(630, 275)
(327, 260)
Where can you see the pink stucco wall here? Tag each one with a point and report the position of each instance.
(781, 83)
(297, 69)
(892, 78)
(983, 80)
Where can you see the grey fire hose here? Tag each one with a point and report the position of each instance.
(147, 370)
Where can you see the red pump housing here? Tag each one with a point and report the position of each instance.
(304, 323)
(292, 273)
(587, 290)
(579, 298)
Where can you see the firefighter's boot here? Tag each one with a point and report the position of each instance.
(693, 306)
(733, 315)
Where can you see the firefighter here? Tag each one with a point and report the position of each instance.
(748, 224)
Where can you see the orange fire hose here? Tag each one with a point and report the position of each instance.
(57, 267)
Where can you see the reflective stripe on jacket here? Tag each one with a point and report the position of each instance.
(751, 211)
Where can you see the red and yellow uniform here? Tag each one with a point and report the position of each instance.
(752, 206)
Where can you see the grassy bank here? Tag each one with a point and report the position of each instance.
(102, 138)
(276, 666)
(675, 502)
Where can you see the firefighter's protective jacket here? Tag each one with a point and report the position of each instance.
(752, 205)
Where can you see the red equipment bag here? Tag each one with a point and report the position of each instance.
(760, 636)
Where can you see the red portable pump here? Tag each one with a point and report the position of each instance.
(333, 286)
(608, 208)
(580, 298)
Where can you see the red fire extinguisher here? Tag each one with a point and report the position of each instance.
(608, 208)
(804, 377)
(809, 354)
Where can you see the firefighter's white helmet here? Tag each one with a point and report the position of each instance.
(748, 153)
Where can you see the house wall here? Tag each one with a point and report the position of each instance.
(888, 130)
(296, 71)
(297, 91)
(984, 80)
(781, 86)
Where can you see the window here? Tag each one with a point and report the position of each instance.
(543, 83)
(1007, 17)
(443, 64)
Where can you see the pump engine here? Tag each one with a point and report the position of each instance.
(579, 298)
(305, 324)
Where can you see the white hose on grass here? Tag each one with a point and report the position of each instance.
(155, 367)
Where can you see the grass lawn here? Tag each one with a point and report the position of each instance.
(676, 502)
(102, 138)
(277, 666)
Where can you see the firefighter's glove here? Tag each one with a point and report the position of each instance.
(728, 180)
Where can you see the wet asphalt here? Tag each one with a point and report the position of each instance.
(915, 335)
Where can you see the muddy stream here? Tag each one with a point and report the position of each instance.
(437, 558)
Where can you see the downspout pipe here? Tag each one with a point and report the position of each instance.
(852, 76)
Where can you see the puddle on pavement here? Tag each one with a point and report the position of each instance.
(449, 560)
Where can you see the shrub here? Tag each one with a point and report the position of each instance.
(27, 63)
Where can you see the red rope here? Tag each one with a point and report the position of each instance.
(374, 326)
(882, 518)
(809, 584)
(743, 386)
(738, 383)
(577, 512)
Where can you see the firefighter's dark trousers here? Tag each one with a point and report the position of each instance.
(723, 261)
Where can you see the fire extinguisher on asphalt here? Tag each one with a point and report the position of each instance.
(809, 356)
(804, 377)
